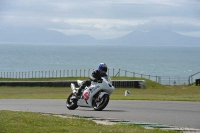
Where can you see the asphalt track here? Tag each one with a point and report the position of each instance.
(181, 114)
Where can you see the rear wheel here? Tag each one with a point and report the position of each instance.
(100, 104)
(71, 104)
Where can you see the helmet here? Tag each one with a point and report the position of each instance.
(102, 68)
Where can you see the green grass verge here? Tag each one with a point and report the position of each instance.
(153, 91)
(28, 122)
(175, 93)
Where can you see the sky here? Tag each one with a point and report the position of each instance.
(102, 19)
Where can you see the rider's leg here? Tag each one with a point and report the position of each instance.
(78, 94)
(80, 89)
(85, 83)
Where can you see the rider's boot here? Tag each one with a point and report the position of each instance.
(77, 95)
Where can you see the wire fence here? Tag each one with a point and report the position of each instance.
(194, 77)
(165, 80)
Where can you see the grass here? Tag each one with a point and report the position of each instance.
(154, 91)
(34, 92)
(28, 122)
(180, 93)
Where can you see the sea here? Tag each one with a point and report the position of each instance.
(180, 61)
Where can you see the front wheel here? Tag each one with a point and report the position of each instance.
(100, 104)
(71, 104)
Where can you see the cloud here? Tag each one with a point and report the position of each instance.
(102, 19)
(99, 28)
(170, 23)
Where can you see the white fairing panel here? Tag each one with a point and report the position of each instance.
(95, 87)
(79, 82)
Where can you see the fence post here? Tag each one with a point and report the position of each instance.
(192, 79)
(119, 72)
(67, 73)
(189, 80)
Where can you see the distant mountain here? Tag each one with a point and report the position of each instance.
(155, 37)
(31, 35)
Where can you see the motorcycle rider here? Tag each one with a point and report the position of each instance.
(96, 77)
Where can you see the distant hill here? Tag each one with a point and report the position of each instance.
(41, 36)
(156, 37)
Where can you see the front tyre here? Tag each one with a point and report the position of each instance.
(71, 104)
(100, 104)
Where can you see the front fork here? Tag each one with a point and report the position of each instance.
(99, 95)
(96, 96)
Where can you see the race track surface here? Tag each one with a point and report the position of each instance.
(181, 114)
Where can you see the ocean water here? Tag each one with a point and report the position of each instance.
(150, 60)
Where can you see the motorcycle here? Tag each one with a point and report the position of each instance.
(96, 95)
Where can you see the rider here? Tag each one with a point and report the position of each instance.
(96, 77)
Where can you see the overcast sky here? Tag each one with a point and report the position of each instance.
(102, 19)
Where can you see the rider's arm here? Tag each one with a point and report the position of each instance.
(95, 76)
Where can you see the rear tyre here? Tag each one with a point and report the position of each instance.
(71, 104)
(101, 103)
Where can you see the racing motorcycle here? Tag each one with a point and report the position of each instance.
(96, 95)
